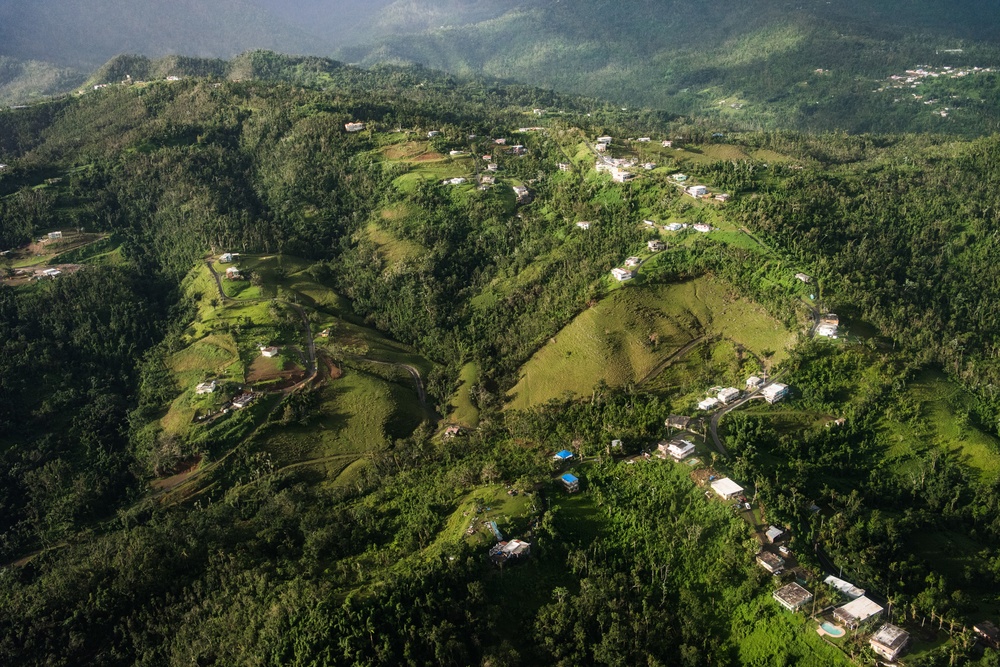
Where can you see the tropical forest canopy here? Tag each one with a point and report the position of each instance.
(264, 370)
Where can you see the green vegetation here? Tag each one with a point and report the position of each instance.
(327, 521)
(628, 337)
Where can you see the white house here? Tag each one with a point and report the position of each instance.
(827, 330)
(655, 245)
(268, 351)
(775, 392)
(697, 191)
(845, 587)
(803, 277)
(51, 273)
(754, 382)
(890, 641)
(680, 449)
(649, 223)
(856, 612)
(667, 143)
(774, 534)
(621, 176)
(633, 261)
(675, 227)
(583, 224)
(522, 193)
(55, 235)
(604, 140)
(432, 134)
(226, 257)
(621, 275)
(644, 140)
(728, 395)
(726, 488)
(792, 596)
(205, 388)
(493, 166)
(722, 196)
(354, 127)
(708, 403)
(456, 181)
(704, 229)
(232, 273)
(680, 178)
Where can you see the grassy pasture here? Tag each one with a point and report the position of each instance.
(355, 414)
(463, 411)
(629, 333)
(936, 419)
(392, 248)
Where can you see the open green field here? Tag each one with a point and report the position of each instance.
(391, 248)
(356, 413)
(463, 411)
(628, 334)
(936, 417)
(488, 503)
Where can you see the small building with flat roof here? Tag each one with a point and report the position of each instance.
(676, 449)
(774, 534)
(845, 587)
(708, 403)
(570, 482)
(792, 596)
(511, 550)
(773, 393)
(856, 612)
(773, 563)
(728, 395)
(890, 641)
(726, 488)
(754, 382)
(564, 455)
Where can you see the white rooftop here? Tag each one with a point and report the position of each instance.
(861, 609)
(726, 487)
(845, 587)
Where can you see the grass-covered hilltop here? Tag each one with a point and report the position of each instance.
(307, 364)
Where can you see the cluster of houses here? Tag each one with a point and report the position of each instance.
(772, 393)
(889, 641)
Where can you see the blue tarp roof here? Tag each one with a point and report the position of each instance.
(569, 478)
(564, 454)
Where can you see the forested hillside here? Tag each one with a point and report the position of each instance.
(277, 385)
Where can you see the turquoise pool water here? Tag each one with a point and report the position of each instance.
(831, 629)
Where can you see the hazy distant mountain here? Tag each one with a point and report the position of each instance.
(811, 64)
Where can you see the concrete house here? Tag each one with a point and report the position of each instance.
(522, 194)
(775, 392)
(354, 127)
(792, 596)
(679, 449)
(621, 176)
(754, 382)
(773, 563)
(667, 143)
(226, 257)
(726, 488)
(633, 261)
(268, 351)
(697, 191)
(232, 273)
(856, 612)
(570, 482)
(205, 388)
(827, 330)
(845, 587)
(512, 550)
(644, 140)
(708, 403)
(54, 236)
(655, 245)
(675, 227)
(723, 197)
(679, 422)
(650, 223)
(890, 641)
(564, 455)
(728, 395)
(704, 229)
(775, 535)
(621, 275)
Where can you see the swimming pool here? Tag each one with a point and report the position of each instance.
(831, 629)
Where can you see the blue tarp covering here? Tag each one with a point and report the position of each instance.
(564, 454)
(569, 478)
